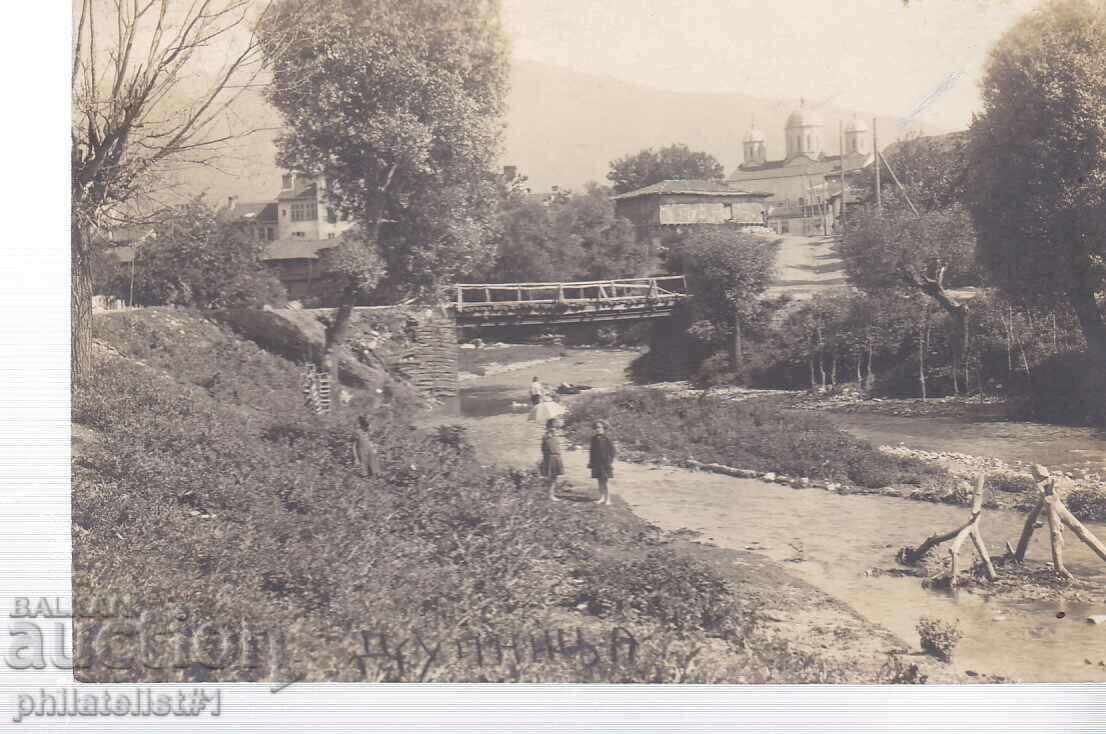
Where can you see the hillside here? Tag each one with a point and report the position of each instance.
(207, 500)
(562, 128)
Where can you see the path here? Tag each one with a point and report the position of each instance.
(828, 540)
(805, 266)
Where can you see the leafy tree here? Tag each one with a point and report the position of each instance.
(131, 62)
(576, 236)
(1038, 161)
(651, 166)
(192, 259)
(928, 254)
(607, 244)
(932, 170)
(397, 103)
(726, 272)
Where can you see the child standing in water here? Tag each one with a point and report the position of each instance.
(551, 464)
(601, 460)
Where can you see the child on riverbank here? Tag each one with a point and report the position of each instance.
(364, 453)
(601, 460)
(552, 465)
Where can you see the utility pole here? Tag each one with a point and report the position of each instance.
(844, 188)
(875, 149)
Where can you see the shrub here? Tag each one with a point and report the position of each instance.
(753, 434)
(939, 638)
(1066, 388)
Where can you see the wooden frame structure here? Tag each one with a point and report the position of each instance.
(1058, 515)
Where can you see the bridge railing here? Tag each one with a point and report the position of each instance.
(589, 291)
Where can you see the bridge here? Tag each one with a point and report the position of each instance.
(514, 304)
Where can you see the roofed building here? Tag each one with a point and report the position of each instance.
(806, 183)
(681, 203)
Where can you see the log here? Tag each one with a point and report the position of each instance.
(1056, 532)
(1027, 531)
(981, 549)
(954, 552)
(1080, 531)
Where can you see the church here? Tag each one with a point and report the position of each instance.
(806, 183)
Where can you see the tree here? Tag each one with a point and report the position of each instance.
(607, 244)
(931, 169)
(397, 104)
(132, 63)
(1038, 161)
(193, 259)
(928, 254)
(573, 237)
(726, 272)
(674, 162)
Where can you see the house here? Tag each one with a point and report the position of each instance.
(676, 204)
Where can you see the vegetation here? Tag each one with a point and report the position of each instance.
(573, 237)
(726, 272)
(755, 434)
(650, 166)
(209, 496)
(397, 104)
(129, 125)
(1038, 161)
(939, 638)
(193, 259)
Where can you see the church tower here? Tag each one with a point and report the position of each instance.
(856, 137)
(804, 133)
(753, 147)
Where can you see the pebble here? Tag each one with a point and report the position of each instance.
(768, 476)
(1097, 619)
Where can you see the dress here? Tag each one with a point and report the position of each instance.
(601, 457)
(551, 464)
(536, 393)
(365, 454)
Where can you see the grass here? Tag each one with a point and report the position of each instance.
(754, 434)
(233, 509)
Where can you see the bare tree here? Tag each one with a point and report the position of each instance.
(134, 116)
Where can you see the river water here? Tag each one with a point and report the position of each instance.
(831, 541)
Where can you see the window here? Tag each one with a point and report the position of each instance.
(305, 211)
(727, 212)
(299, 234)
(331, 215)
(330, 235)
(286, 181)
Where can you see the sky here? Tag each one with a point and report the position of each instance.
(918, 60)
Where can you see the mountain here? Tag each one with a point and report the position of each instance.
(564, 128)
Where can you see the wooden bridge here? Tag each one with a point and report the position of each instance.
(511, 304)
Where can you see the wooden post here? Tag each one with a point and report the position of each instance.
(958, 536)
(487, 295)
(1027, 531)
(460, 299)
(1056, 532)
(875, 149)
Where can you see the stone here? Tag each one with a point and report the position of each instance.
(768, 476)
(1097, 619)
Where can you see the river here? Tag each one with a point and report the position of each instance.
(830, 541)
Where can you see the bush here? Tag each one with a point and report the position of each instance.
(939, 638)
(1066, 388)
(753, 434)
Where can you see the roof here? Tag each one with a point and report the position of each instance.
(296, 248)
(254, 211)
(803, 117)
(799, 166)
(292, 249)
(691, 186)
(307, 192)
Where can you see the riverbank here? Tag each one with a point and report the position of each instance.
(843, 545)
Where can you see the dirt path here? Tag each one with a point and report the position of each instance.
(830, 541)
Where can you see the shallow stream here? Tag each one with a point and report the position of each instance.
(831, 541)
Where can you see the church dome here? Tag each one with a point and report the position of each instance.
(754, 135)
(803, 117)
(856, 126)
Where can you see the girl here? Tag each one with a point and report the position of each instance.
(551, 464)
(601, 460)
